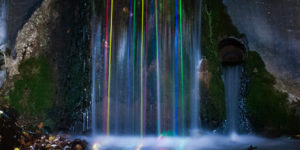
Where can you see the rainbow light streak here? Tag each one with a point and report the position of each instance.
(181, 64)
(128, 62)
(176, 74)
(142, 49)
(145, 84)
(166, 69)
(157, 72)
(109, 67)
(133, 68)
(105, 59)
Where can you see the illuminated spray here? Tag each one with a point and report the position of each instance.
(109, 68)
(133, 69)
(157, 70)
(181, 64)
(105, 66)
(142, 49)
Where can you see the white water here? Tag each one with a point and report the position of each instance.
(3, 36)
(96, 43)
(195, 74)
(195, 104)
(232, 81)
(206, 142)
(3, 28)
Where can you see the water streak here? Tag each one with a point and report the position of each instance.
(157, 71)
(109, 68)
(95, 54)
(166, 44)
(195, 73)
(232, 81)
(3, 36)
(3, 28)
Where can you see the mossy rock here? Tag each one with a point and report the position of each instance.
(7, 51)
(268, 107)
(33, 88)
(216, 23)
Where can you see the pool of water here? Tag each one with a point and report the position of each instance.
(205, 142)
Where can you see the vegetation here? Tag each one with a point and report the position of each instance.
(267, 107)
(215, 24)
(33, 89)
(7, 51)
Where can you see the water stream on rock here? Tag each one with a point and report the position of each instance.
(145, 70)
(3, 28)
(3, 37)
(232, 81)
(146, 62)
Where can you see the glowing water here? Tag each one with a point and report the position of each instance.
(95, 74)
(232, 81)
(149, 86)
(196, 62)
(148, 71)
(3, 28)
(207, 142)
(3, 36)
(195, 104)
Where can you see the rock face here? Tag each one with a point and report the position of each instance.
(57, 33)
(18, 13)
(272, 28)
(205, 75)
(33, 39)
(232, 51)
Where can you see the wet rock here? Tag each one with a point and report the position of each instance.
(205, 75)
(9, 130)
(18, 13)
(79, 144)
(251, 147)
(232, 51)
(12, 136)
(57, 142)
(272, 31)
(34, 38)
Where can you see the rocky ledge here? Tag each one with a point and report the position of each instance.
(33, 39)
(14, 135)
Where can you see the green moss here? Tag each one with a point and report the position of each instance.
(267, 107)
(7, 51)
(215, 24)
(33, 89)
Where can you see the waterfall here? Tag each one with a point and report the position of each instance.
(232, 81)
(195, 104)
(142, 67)
(95, 94)
(3, 28)
(196, 62)
(3, 38)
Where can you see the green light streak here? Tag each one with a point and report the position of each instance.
(181, 58)
(142, 49)
(133, 62)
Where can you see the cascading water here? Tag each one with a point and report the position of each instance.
(96, 70)
(3, 36)
(232, 81)
(3, 28)
(139, 79)
(195, 73)
(146, 63)
(195, 104)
